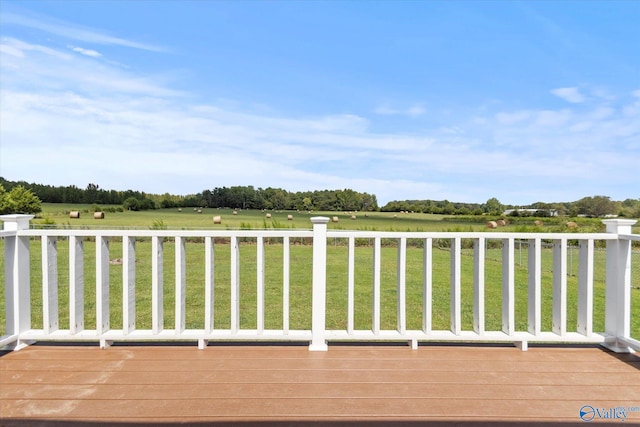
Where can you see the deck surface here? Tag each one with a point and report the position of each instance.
(348, 385)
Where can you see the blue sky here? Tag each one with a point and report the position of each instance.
(459, 100)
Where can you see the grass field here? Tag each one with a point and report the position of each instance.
(57, 214)
(191, 218)
(300, 305)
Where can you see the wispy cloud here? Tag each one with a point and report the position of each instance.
(88, 52)
(50, 68)
(569, 94)
(415, 110)
(72, 31)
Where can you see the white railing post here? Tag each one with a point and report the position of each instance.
(103, 318)
(76, 284)
(17, 278)
(618, 287)
(534, 291)
(508, 286)
(479, 254)
(49, 284)
(128, 284)
(319, 284)
(455, 283)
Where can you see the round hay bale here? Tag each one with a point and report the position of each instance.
(268, 215)
(290, 217)
(492, 224)
(501, 222)
(353, 217)
(74, 214)
(538, 223)
(335, 219)
(98, 215)
(572, 224)
(217, 219)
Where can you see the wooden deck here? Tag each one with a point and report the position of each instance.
(348, 385)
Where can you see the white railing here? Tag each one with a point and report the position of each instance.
(18, 305)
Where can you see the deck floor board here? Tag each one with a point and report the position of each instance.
(470, 385)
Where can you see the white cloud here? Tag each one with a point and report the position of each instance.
(51, 68)
(569, 94)
(72, 31)
(87, 52)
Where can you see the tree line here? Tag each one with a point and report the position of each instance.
(240, 197)
(16, 196)
(592, 206)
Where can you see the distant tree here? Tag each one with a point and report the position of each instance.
(596, 206)
(131, 204)
(307, 204)
(493, 206)
(4, 201)
(630, 208)
(19, 200)
(146, 204)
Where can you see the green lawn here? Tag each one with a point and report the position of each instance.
(188, 218)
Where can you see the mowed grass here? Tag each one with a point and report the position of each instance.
(300, 287)
(196, 218)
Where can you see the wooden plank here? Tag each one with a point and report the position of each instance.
(268, 383)
(420, 367)
(37, 377)
(320, 390)
(316, 408)
(426, 353)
